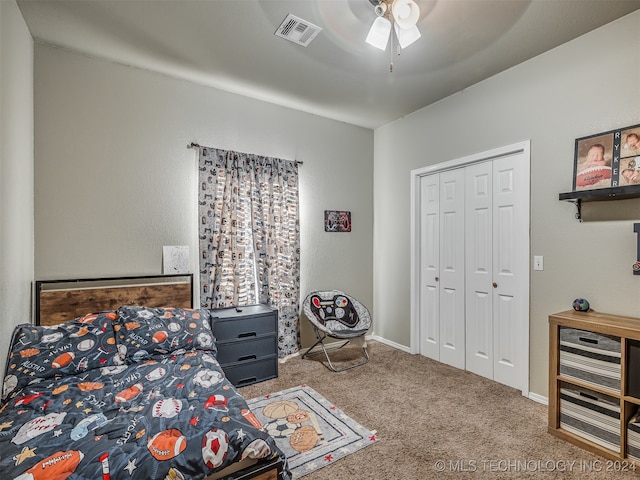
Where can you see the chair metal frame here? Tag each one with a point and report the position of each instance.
(322, 332)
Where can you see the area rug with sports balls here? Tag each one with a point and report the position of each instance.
(311, 430)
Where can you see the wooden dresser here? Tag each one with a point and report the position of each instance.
(594, 382)
(247, 343)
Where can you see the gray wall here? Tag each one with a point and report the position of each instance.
(16, 173)
(587, 86)
(115, 181)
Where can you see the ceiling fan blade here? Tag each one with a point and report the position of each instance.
(406, 36)
(379, 33)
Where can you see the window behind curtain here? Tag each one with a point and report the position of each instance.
(250, 236)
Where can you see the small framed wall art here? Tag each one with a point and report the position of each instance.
(608, 159)
(337, 221)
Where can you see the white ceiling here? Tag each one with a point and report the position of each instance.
(230, 44)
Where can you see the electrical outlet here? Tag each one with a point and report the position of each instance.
(538, 262)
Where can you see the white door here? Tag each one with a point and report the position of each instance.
(429, 266)
(442, 328)
(452, 314)
(510, 269)
(495, 199)
(474, 265)
(479, 268)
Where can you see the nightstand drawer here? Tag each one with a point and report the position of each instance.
(247, 373)
(244, 322)
(247, 349)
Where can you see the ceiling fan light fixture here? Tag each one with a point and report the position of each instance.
(379, 33)
(406, 36)
(405, 13)
(380, 9)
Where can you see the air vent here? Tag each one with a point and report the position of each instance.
(297, 30)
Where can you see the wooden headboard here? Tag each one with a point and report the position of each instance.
(58, 301)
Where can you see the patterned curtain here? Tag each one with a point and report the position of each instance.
(250, 236)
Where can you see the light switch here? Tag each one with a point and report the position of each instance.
(538, 262)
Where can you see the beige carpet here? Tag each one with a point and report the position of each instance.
(435, 421)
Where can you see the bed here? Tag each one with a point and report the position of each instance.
(130, 393)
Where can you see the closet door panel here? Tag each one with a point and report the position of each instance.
(480, 333)
(430, 266)
(508, 268)
(478, 269)
(506, 340)
(452, 310)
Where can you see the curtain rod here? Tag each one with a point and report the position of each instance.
(197, 145)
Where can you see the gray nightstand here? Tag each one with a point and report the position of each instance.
(247, 343)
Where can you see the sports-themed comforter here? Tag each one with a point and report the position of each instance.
(135, 393)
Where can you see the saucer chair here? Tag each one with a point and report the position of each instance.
(335, 314)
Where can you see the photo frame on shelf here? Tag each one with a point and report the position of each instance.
(607, 160)
(337, 221)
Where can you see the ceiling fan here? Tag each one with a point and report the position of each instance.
(402, 14)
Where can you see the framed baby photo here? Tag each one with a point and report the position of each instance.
(608, 159)
(629, 157)
(592, 162)
(630, 140)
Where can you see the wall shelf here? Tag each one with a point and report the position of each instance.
(601, 194)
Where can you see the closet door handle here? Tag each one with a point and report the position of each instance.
(437, 279)
(495, 285)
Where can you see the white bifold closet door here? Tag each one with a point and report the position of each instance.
(479, 269)
(430, 266)
(471, 268)
(452, 240)
(510, 269)
(442, 305)
(494, 269)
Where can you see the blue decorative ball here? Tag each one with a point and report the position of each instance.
(581, 305)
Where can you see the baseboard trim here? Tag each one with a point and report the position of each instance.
(389, 343)
(538, 398)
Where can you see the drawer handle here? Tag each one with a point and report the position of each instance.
(247, 357)
(247, 380)
(588, 340)
(247, 334)
(591, 397)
